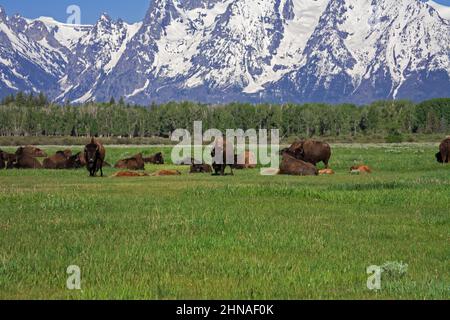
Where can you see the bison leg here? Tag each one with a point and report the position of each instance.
(232, 173)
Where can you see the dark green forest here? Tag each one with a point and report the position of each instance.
(33, 115)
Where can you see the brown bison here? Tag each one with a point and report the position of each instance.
(293, 166)
(94, 154)
(155, 159)
(61, 160)
(163, 173)
(134, 163)
(326, 172)
(443, 156)
(25, 161)
(129, 174)
(311, 151)
(220, 160)
(360, 169)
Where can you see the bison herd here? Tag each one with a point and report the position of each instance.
(300, 159)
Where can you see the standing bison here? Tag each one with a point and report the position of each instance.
(443, 156)
(310, 151)
(221, 153)
(95, 155)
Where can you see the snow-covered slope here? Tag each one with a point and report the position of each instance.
(226, 50)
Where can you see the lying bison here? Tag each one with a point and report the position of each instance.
(133, 163)
(443, 156)
(60, 160)
(155, 159)
(94, 154)
(164, 173)
(24, 160)
(311, 151)
(295, 167)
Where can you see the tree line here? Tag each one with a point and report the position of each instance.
(34, 115)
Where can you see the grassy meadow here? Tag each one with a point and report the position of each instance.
(241, 237)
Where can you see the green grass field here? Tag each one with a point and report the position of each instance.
(241, 237)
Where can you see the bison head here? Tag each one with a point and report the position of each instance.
(295, 150)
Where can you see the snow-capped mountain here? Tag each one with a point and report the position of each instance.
(236, 50)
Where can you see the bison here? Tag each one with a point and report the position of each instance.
(25, 161)
(58, 161)
(163, 173)
(326, 172)
(129, 174)
(220, 161)
(443, 156)
(94, 154)
(134, 163)
(360, 169)
(293, 166)
(155, 159)
(311, 151)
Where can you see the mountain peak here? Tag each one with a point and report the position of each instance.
(218, 51)
(2, 14)
(104, 19)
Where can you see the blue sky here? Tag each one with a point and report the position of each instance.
(129, 10)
